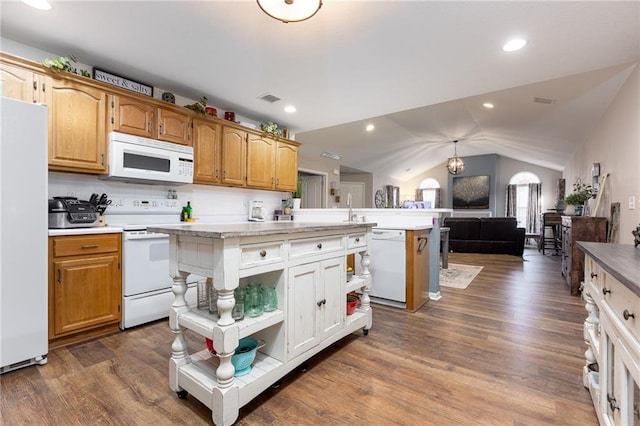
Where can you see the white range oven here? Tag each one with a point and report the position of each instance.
(146, 284)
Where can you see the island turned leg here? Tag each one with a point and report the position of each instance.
(591, 327)
(365, 301)
(179, 356)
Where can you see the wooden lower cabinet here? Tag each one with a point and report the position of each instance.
(417, 272)
(574, 229)
(85, 286)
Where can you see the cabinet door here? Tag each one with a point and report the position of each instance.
(77, 131)
(334, 306)
(86, 294)
(174, 127)
(609, 394)
(132, 116)
(234, 156)
(22, 84)
(286, 166)
(304, 306)
(260, 161)
(207, 137)
(629, 370)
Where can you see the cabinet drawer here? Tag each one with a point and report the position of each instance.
(262, 253)
(622, 300)
(357, 240)
(85, 244)
(311, 246)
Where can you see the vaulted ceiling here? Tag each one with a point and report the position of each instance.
(418, 70)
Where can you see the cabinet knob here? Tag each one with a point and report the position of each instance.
(263, 253)
(322, 302)
(605, 291)
(319, 245)
(626, 315)
(357, 239)
(593, 275)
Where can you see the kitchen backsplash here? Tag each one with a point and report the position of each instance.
(210, 203)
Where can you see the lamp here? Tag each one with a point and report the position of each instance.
(455, 165)
(290, 10)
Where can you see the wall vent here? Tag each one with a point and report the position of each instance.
(544, 100)
(268, 97)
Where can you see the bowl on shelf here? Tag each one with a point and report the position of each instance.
(210, 346)
(245, 354)
(352, 303)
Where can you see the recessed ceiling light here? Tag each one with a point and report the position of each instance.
(370, 127)
(38, 4)
(290, 109)
(487, 105)
(515, 44)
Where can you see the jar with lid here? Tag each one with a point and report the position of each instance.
(254, 300)
(237, 313)
(270, 299)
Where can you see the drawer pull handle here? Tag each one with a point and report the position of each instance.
(605, 291)
(357, 239)
(319, 246)
(263, 253)
(89, 246)
(59, 276)
(612, 402)
(593, 275)
(322, 302)
(627, 315)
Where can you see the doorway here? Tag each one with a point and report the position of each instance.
(314, 192)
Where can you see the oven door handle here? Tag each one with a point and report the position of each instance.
(154, 236)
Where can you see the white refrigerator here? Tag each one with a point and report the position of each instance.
(23, 234)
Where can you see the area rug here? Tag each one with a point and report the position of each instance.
(458, 276)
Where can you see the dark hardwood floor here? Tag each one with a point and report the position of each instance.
(508, 350)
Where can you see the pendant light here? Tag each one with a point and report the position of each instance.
(455, 165)
(290, 10)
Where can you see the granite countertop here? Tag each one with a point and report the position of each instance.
(86, 231)
(622, 261)
(247, 229)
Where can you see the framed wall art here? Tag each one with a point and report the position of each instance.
(471, 192)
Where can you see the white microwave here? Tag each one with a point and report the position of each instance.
(137, 159)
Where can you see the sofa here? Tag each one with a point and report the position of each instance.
(496, 235)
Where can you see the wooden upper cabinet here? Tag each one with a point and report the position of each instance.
(77, 133)
(22, 84)
(128, 115)
(174, 127)
(286, 167)
(234, 156)
(260, 161)
(207, 138)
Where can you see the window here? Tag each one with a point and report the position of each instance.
(430, 189)
(521, 182)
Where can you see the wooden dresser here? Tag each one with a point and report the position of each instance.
(574, 229)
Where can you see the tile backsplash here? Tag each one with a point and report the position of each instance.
(210, 203)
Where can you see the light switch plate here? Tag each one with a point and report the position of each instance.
(632, 202)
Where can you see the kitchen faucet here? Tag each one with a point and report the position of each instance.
(349, 205)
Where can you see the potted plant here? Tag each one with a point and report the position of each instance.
(297, 195)
(580, 195)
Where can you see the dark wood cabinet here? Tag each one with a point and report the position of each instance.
(574, 229)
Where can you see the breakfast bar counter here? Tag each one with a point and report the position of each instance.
(306, 265)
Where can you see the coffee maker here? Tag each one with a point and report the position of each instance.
(256, 212)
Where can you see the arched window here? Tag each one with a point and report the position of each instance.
(429, 192)
(524, 198)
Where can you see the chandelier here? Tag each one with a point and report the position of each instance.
(455, 165)
(290, 10)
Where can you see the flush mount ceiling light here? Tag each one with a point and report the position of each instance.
(370, 127)
(455, 165)
(290, 109)
(38, 4)
(515, 44)
(290, 10)
(488, 105)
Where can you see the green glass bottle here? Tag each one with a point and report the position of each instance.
(189, 210)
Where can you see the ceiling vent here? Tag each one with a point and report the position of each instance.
(268, 97)
(331, 155)
(544, 100)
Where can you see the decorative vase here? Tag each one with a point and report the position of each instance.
(296, 203)
(570, 210)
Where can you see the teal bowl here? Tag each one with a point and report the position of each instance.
(245, 354)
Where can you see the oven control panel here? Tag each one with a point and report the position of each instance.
(146, 206)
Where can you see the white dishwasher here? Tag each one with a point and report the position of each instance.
(388, 267)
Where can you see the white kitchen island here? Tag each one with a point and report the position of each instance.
(306, 262)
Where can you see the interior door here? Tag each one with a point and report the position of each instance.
(313, 196)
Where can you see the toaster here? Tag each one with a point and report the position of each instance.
(69, 212)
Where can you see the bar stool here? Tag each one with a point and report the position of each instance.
(552, 222)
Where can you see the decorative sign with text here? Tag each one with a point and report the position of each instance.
(125, 83)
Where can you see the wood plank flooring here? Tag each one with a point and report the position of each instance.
(508, 350)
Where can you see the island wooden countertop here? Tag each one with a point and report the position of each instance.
(622, 261)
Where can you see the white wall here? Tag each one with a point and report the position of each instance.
(615, 144)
